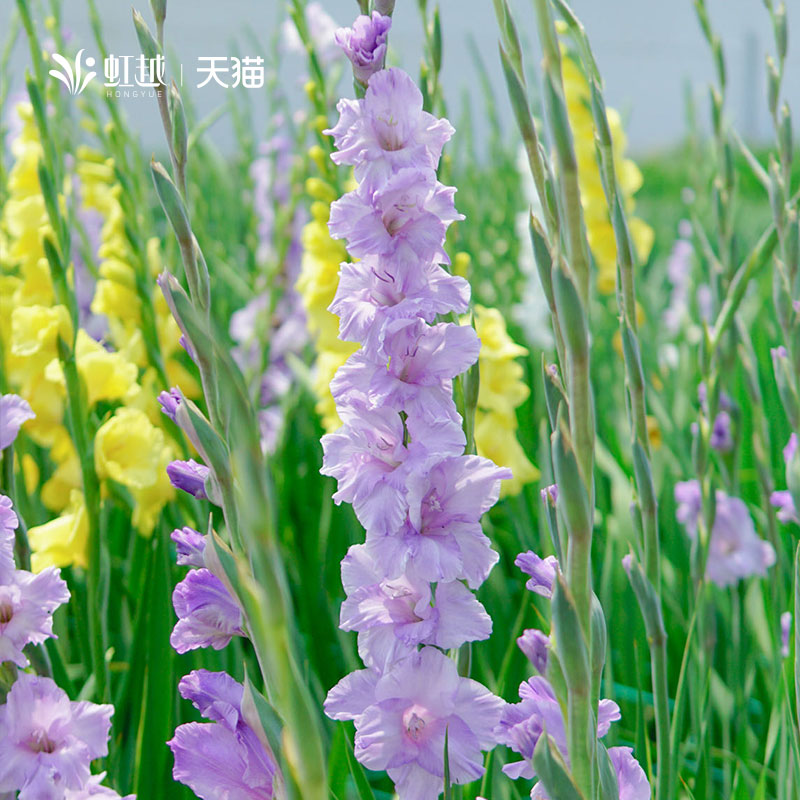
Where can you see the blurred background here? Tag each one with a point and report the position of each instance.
(646, 49)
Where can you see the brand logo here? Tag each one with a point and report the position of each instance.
(74, 79)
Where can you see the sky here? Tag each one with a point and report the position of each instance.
(651, 54)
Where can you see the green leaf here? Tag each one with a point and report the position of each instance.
(553, 771)
(357, 771)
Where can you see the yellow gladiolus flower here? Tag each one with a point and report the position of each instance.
(63, 541)
(34, 330)
(328, 361)
(599, 230)
(128, 448)
(502, 390)
(107, 375)
(496, 439)
(317, 284)
(496, 344)
(150, 500)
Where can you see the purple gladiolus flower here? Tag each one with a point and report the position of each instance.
(224, 758)
(418, 363)
(27, 600)
(368, 457)
(189, 476)
(521, 724)
(365, 44)
(393, 616)
(47, 742)
(373, 293)
(322, 29)
(721, 437)
(405, 219)
(735, 550)
(94, 788)
(207, 614)
(679, 269)
(169, 402)
(401, 718)
(549, 495)
(399, 456)
(790, 449)
(543, 572)
(784, 502)
(14, 411)
(631, 778)
(632, 782)
(8, 524)
(786, 629)
(442, 538)
(690, 503)
(27, 603)
(387, 130)
(536, 646)
(190, 546)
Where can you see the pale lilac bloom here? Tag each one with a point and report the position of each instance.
(94, 788)
(405, 219)
(372, 465)
(372, 293)
(415, 370)
(543, 572)
(442, 539)
(187, 346)
(521, 724)
(678, 272)
(27, 603)
(276, 316)
(790, 449)
(549, 495)
(536, 646)
(735, 550)
(243, 329)
(8, 524)
(779, 352)
(786, 630)
(270, 173)
(321, 28)
(189, 476)
(705, 302)
(395, 615)
(365, 44)
(14, 412)
(690, 504)
(784, 502)
(631, 778)
(632, 781)
(47, 742)
(27, 600)
(387, 130)
(721, 438)
(401, 719)
(92, 221)
(225, 758)
(207, 614)
(169, 402)
(725, 402)
(190, 545)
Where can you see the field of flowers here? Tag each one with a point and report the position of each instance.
(376, 459)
